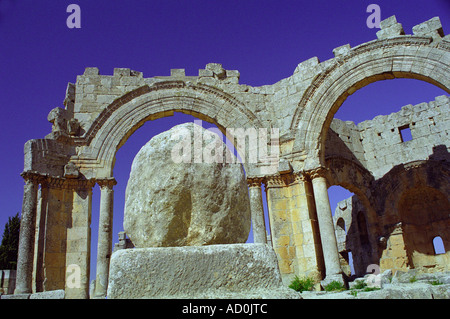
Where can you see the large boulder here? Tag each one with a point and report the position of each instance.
(171, 203)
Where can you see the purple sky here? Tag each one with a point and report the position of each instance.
(264, 40)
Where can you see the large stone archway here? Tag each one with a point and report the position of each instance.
(124, 116)
(416, 57)
(102, 111)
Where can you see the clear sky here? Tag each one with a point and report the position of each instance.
(264, 40)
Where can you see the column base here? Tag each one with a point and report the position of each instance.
(330, 278)
(22, 291)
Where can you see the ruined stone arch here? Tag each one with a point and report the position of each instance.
(357, 179)
(101, 112)
(399, 57)
(125, 115)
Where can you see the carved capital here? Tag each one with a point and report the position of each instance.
(68, 183)
(255, 181)
(32, 177)
(285, 179)
(318, 172)
(299, 177)
(277, 181)
(107, 182)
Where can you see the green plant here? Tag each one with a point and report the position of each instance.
(360, 285)
(436, 282)
(371, 288)
(354, 293)
(334, 286)
(302, 284)
(10, 243)
(412, 279)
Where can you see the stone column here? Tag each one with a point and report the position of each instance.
(257, 210)
(27, 232)
(326, 227)
(104, 236)
(78, 251)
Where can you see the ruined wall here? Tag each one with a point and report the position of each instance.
(377, 144)
(101, 112)
(409, 191)
(294, 227)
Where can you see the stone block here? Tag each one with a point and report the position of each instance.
(205, 73)
(215, 271)
(284, 167)
(431, 27)
(53, 294)
(18, 296)
(122, 72)
(217, 69)
(91, 71)
(177, 72)
(392, 31)
(388, 22)
(342, 50)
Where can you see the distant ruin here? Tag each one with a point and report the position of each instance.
(402, 187)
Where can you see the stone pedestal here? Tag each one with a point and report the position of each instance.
(214, 271)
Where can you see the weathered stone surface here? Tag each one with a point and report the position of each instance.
(52, 294)
(180, 204)
(372, 158)
(404, 285)
(215, 271)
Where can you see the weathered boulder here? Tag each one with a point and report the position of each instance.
(172, 203)
(215, 271)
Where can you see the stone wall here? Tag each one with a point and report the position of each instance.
(377, 144)
(294, 228)
(408, 195)
(100, 112)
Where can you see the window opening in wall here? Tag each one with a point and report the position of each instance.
(350, 263)
(341, 225)
(438, 245)
(405, 133)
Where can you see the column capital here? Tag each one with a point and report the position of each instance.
(318, 172)
(108, 182)
(67, 183)
(285, 179)
(299, 177)
(275, 181)
(255, 181)
(32, 177)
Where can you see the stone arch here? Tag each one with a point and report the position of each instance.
(126, 114)
(357, 179)
(400, 57)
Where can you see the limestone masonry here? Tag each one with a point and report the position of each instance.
(402, 186)
(184, 204)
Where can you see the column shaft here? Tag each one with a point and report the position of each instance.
(26, 237)
(257, 211)
(326, 227)
(104, 237)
